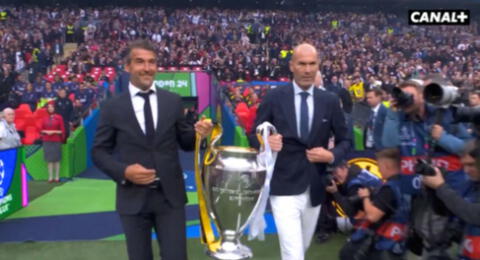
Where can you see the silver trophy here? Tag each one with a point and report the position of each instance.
(233, 181)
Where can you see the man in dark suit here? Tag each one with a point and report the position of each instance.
(335, 87)
(305, 117)
(374, 127)
(144, 126)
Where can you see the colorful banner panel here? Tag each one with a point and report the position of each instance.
(179, 82)
(10, 182)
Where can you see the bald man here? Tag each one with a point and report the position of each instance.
(9, 136)
(305, 117)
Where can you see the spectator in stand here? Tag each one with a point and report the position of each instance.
(53, 135)
(49, 93)
(9, 137)
(84, 95)
(58, 83)
(474, 98)
(79, 112)
(64, 107)
(39, 85)
(30, 97)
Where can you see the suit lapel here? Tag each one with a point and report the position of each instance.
(162, 108)
(288, 101)
(318, 112)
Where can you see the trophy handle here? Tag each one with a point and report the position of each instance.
(211, 152)
(270, 128)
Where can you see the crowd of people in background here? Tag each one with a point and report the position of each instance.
(362, 50)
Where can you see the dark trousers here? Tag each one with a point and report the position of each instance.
(364, 250)
(169, 225)
(327, 222)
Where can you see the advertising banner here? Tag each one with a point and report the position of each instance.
(10, 182)
(177, 82)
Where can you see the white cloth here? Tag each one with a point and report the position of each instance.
(296, 220)
(138, 103)
(298, 100)
(9, 136)
(267, 158)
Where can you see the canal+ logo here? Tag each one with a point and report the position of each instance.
(439, 17)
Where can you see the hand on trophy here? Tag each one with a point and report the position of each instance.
(319, 155)
(138, 174)
(275, 142)
(204, 127)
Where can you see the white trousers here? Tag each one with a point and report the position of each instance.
(296, 220)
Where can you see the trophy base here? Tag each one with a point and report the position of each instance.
(231, 251)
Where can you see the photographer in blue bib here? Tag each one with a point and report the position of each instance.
(466, 206)
(382, 224)
(427, 133)
(345, 180)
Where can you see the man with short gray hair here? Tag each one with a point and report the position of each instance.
(9, 137)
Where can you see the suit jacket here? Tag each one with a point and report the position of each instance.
(119, 132)
(378, 127)
(293, 173)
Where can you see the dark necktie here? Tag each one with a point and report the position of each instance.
(304, 116)
(147, 112)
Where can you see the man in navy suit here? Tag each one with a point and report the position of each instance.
(305, 117)
(374, 127)
(144, 126)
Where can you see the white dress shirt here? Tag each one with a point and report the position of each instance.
(298, 101)
(138, 103)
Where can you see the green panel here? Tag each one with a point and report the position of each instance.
(240, 139)
(192, 198)
(73, 162)
(358, 138)
(74, 197)
(78, 151)
(206, 112)
(12, 201)
(177, 82)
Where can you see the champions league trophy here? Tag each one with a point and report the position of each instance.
(233, 180)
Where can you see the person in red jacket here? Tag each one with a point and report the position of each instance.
(53, 134)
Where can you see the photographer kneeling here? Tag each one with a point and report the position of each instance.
(344, 189)
(383, 229)
(466, 207)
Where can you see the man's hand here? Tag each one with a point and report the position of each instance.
(434, 181)
(203, 127)
(363, 193)
(319, 155)
(275, 142)
(138, 174)
(437, 131)
(332, 188)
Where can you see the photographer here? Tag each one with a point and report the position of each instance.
(423, 131)
(343, 202)
(346, 181)
(467, 206)
(383, 229)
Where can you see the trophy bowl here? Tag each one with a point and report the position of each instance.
(233, 181)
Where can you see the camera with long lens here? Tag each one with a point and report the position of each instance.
(467, 115)
(440, 95)
(402, 98)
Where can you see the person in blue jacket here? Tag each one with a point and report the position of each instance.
(423, 131)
